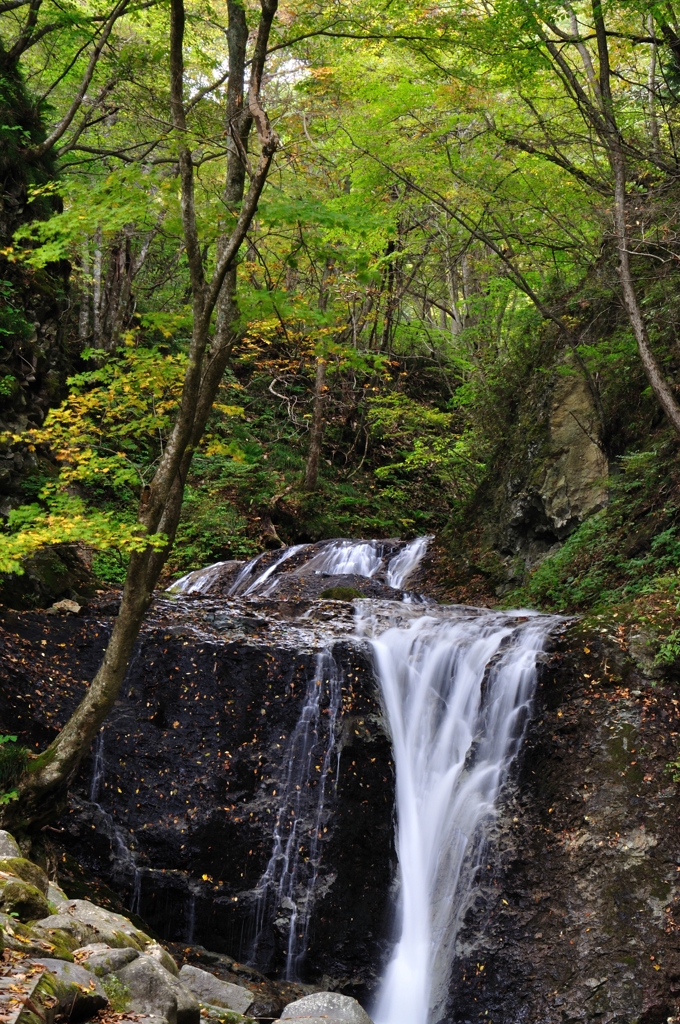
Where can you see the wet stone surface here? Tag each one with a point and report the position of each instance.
(177, 813)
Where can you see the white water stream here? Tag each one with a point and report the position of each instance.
(287, 887)
(457, 684)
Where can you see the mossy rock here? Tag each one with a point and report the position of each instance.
(341, 594)
(224, 1016)
(26, 871)
(24, 900)
(33, 941)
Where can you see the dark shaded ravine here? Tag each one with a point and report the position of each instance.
(574, 916)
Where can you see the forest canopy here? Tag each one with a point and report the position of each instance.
(279, 272)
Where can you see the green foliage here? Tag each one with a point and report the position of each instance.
(13, 761)
(117, 992)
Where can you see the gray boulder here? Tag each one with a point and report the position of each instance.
(215, 992)
(153, 990)
(56, 896)
(78, 995)
(157, 951)
(328, 1007)
(88, 923)
(8, 845)
(102, 960)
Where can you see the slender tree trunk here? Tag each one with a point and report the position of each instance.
(42, 790)
(97, 291)
(84, 315)
(316, 433)
(610, 135)
(659, 385)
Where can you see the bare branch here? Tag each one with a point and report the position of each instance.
(38, 151)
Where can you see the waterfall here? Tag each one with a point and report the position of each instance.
(457, 684)
(347, 558)
(406, 562)
(287, 886)
(97, 766)
(199, 581)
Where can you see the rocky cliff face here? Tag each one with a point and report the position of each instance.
(575, 917)
(177, 805)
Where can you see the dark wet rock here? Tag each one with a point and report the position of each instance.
(200, 825)
(578, 912)
(79, 996)
(154, 990)
(209, 989)
(54, 574)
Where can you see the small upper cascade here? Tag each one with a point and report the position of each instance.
(347, 558)
(260, 580)
(405, 563)
(288, 572)
(200, 580)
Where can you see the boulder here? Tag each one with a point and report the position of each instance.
(87, 923)
(101, 959)
(8, 845)
(154, 990)
(212, 990)
(328, 1007)
(224, 1016)
(157, 951)
(78, 995)
(24, 900)
(64, 607)
(31, 941)
(26, 871)
(56, 897)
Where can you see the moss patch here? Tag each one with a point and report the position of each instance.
(26, 871)
(24, 900)
(341, 594)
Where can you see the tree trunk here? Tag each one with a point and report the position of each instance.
(42, 790)
(610, 136)
(316, 434)
(659, 385)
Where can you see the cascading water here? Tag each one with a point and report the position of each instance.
(406, 562)
(457, 685)
(367, 558)
(288, 883)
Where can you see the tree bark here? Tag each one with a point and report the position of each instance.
(611, 137)
(42, 790)
(316, 433)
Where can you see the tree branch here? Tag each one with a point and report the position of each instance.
(38, 151)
